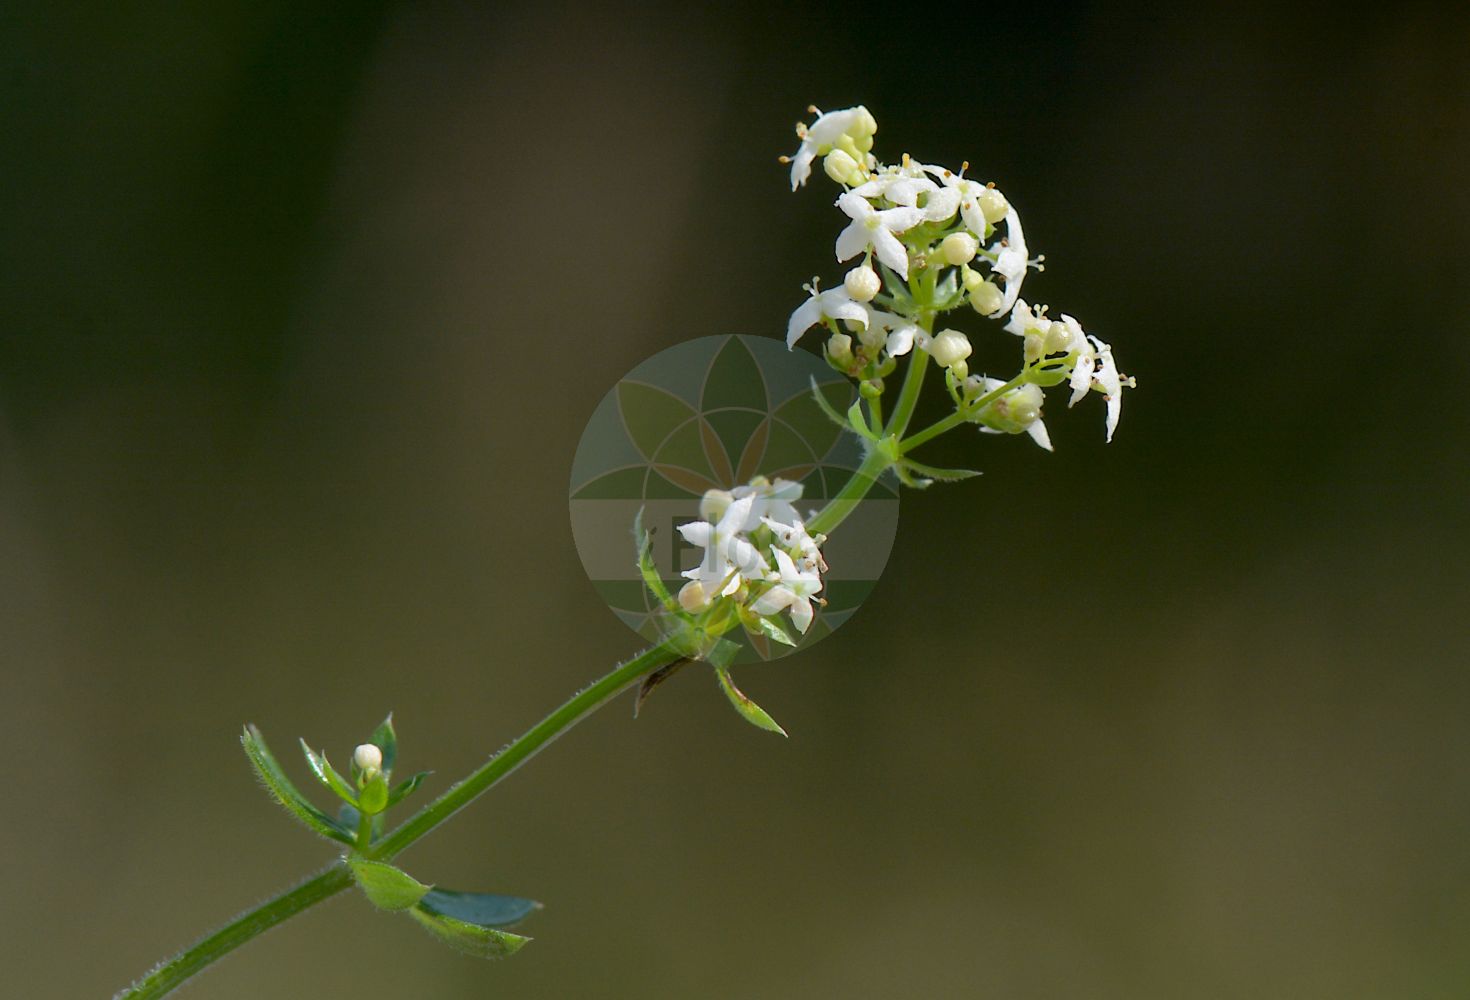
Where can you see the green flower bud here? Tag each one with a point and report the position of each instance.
(993, 205)
(368, 758)
(986, 298)
(843, 168)
(713, 504)
(693, 598)
(1015, 412)
(949, 347)
(959, 248)
(839, 349)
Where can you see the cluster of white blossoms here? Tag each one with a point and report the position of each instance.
(757, 553)
(928, 240)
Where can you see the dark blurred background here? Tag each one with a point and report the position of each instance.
(305, 307)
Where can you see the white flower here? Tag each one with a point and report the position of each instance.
(821, 135)
(771, 500)
(898, 333)
(835, 303)
(968, 194)
(903, 185)
(806, 549)
(872, 228)
(1111, 383)
(728, 558)
(1010, 260)
(793, 592)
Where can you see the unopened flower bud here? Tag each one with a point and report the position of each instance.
(1014, 412)
(949, 347)
(862, 283)
(1058, 338)
(693, 598)
(842, 168)
(839, 349)
(368, 758)
(960, 369)
(972, 278)
(1033, 345)
(986, 298)
(866, 123)
(873, 338)
(993, 205)
(958, 248)
(713, 504)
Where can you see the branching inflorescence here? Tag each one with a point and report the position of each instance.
(928, 241)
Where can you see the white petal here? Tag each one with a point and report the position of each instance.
(854, 205)
(853, 240)
(1039, 435)
(973, 217)
(896, 220)
(801, 614)
(806, 316)
(890, 251)
(735, 517)
(846, 308)
(697, 533)
(830, 127)
(801, 164)
(901, 340)
(772, 601)
(941, 205)
(1081, 379)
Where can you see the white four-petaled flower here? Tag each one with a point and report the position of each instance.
(793, 590)
(821, 135)
(872, 228)
(835, 303)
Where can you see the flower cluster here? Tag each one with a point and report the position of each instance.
(928, 240)
(757, 554)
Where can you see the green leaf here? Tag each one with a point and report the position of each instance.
(722, 653)
(748, 709)
(404, 789)
(470, 938)
(826, 407)
(857, 423)
(386, 740)
(387, 887)
(327, 774)
(649, 571)
(768, 628)
(480, 908)
(284, 792)
(943, 475)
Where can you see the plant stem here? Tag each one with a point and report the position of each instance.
(248, 925)
(573, 711)
(852, 493)
(173, 973)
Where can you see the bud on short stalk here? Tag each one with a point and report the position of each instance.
(862, 283)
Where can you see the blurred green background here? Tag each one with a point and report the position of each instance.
(304, 309)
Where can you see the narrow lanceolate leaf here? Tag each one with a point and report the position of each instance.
(722, 653)
(943, 475)
(857, 423)
(827, 407)
(748, 709)
(327, 774)
(386, 740)
(480, 908)
(404, 789)
(284, 792)
(649, 571)
(472, 939)
(387, 887)
(768, 628)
